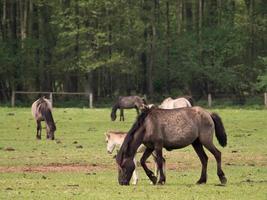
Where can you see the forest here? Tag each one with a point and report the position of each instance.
(123, 47)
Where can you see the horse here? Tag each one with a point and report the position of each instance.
(127, 102)
(42, 111)
(171, 129)
(180, 102)
(116, 138)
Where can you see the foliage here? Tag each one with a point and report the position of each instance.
(126, 47)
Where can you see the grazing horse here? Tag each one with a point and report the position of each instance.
(42, 111)
(127, 102)
(115, 138)
(170, 103)
(171, 129)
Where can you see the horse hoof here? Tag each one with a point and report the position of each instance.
(199, 182)
(161, 183)
(223, 180)
(154, 180)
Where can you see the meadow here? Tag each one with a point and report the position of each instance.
(77, 166)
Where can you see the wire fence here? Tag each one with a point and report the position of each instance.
(83, 99)
(57, 98)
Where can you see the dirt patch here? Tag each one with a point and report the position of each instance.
(55, 167)
(9, 149)
(88, 169)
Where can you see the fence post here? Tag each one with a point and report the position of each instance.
(51, 97)
(209, 100)
(265, 99)
(90, 100)
(13, 98)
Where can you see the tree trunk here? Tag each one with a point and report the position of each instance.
(168, 41)
(200, 15)
(23, 9)
(179, 16)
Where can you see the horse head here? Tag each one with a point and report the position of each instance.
(110, 143)
(50, 129)
(113, 116)
(125, 170)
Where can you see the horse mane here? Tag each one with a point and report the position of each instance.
(129, 137)
(190, 99)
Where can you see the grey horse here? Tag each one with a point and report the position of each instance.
(42, 111)
(127, 102)
(171, 129)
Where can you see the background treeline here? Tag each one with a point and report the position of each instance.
(121, 47)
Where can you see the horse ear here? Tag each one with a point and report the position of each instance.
(107, 135)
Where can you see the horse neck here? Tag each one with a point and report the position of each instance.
(115, 107)
(135, 142)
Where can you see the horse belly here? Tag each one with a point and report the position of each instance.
(179, 137)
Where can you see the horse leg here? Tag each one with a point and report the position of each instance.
(160, 163)
(135, 175)
(204, 160)
(39, 130)
(47, 132)
(137, 110)
(149, 173)
(156, 171)
(121, 115)
(217, 154)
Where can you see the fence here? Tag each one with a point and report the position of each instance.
(89, 95)
(260, 99)
(209, 100)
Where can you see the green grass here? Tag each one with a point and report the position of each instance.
(244, 159)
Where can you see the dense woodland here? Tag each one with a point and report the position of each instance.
(122, 47)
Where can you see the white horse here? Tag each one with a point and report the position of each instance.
(115, 139)
(171, 103)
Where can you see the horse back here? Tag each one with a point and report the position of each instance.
(41, 103)
(176, 128)
(130, 101)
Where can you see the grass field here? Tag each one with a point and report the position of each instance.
(76, 165)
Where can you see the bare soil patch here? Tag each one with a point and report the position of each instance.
(55, 167)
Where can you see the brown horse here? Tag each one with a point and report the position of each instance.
(171, 129)
(42, 111)
(127, 102)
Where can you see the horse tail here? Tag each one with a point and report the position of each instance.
(129, 137)
(219, 129)
(190, 99)
(47, 115)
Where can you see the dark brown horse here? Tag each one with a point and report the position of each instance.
(42, 111)
(127, 102)
(171, 129)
